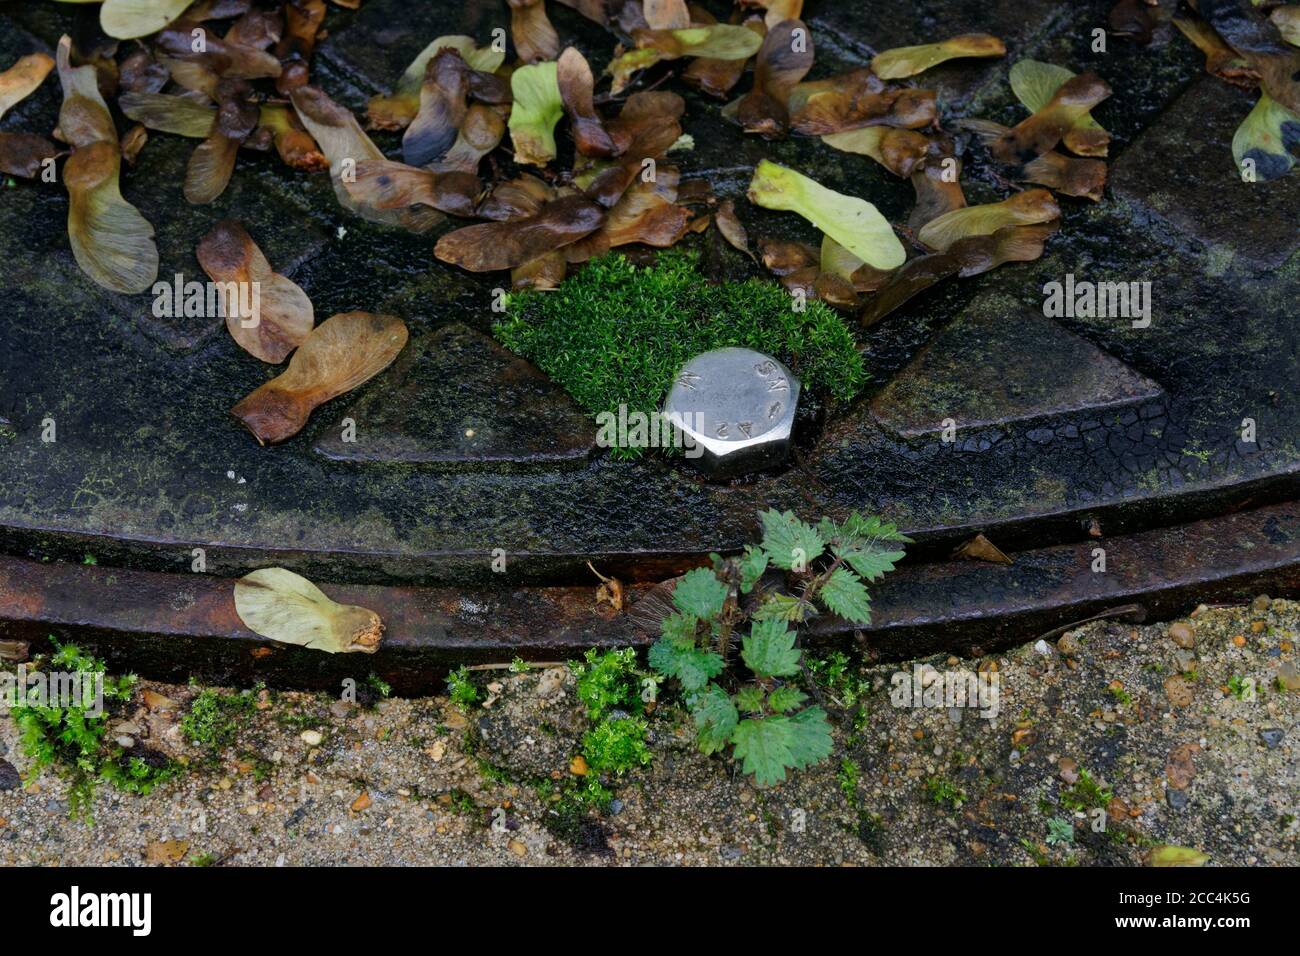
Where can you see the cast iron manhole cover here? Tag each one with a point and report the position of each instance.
(983, 413)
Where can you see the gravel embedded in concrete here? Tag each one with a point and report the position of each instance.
(312, 781)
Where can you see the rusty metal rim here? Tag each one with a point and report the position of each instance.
(174, 626)
(433, 568)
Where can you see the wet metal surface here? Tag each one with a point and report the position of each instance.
(175, 626)
(456, 397)
(1058, 423)
(735, 407)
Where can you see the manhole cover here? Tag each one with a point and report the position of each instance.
(984, 411)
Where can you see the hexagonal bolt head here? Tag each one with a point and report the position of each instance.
(736, 406)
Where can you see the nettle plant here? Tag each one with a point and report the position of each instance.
(765, 719)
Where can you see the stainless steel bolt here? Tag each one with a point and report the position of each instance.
(736, 406)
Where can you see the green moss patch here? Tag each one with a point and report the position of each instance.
(616, 333)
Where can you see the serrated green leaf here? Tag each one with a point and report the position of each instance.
(690, 665)
(868, 545)
(790, 543)
(700, 593)
(749, 699)
(764, 748)
(785, 699)
(846, 596)
(781, 607)
(715, 719)
(857, 529)
(871, 563)
(753, 564)
(769, 649)
(811, 737)
(679, 628)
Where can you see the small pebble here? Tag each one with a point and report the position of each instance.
(1181, 633)
(1068, 768)
(1272, 737)
(312, 738)
(1178, 691)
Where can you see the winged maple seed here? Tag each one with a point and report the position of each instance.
(1023, 209)
(718, 77)
(284, 315)
(899, 150)
(716, 41)
(444, 101)
(382, 184)
(285, 607)
(1036, 83)
(213, 162)
(396, 111)
(504, 245)
(531, 29)
(577, 85)
(647, 213)
(1072, 101)
(25, 154)
(782, 62)
(112, 243)
(345, 145)
(341, 353)
(858, 98)
(908, 61)
(538, 106)
(22, 79)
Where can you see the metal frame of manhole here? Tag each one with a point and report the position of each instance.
(176, 626)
